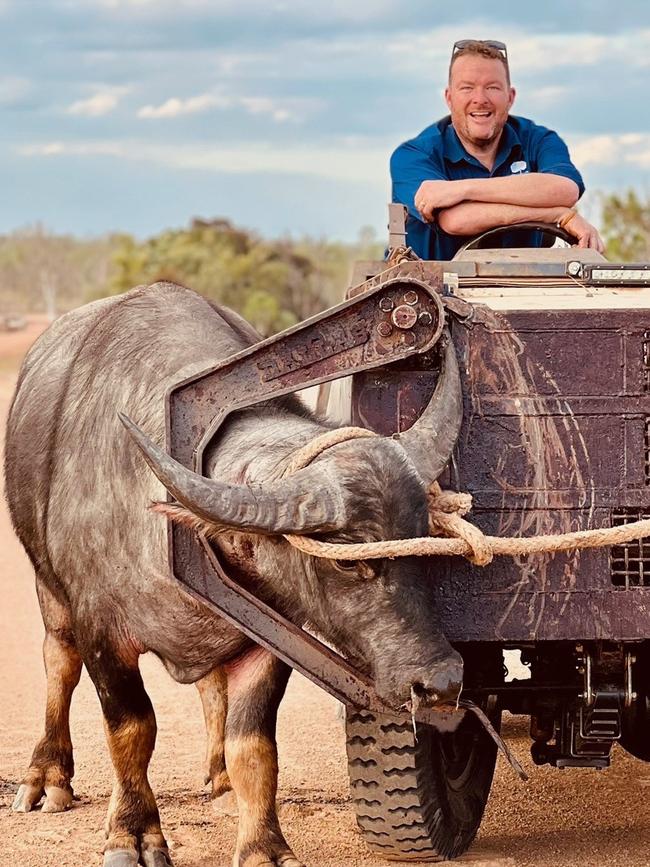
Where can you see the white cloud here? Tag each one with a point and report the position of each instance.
(424, 51)
(597, 150)
(264, 105)
(362, 11)
(131, 5)
(13, 88)
(631, 138)
(546, 97)
(229, 64)
(349, 158)
(641, 157)
(364, 161)
(116, 4)
(154, 5)
(59, 148)
(175, 107)
(278, 110)
(104, 101)
(47, 150)
(612, 150)
(532, 53)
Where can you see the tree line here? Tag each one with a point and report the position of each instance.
(272, 283)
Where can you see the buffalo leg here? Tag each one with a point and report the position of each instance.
(256, 684)
(52, 767)
(213, 690)
(133, 822)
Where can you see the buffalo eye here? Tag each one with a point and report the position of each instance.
(361, 567)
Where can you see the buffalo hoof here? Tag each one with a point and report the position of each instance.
(56, 799)
(121, 858)
(27, 797)
(226, 804)
(283, 859)
(157, 857)
(220, 784)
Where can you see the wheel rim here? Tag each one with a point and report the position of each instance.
(457, 752)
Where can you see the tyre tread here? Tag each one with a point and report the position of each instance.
(398, 808)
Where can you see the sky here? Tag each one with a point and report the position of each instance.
(137, 115)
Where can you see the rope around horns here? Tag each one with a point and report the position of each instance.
(451, 533)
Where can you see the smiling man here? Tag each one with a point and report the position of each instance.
(482, 167)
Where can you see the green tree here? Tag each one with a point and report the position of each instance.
(271, 283)
(626, 227)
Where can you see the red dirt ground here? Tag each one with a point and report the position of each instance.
(555, 820)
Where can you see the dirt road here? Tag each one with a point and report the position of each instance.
(558, 819)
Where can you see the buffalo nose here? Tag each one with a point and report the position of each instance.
(444, 682)
(434, 682)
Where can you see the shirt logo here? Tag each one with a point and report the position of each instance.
(519, 167)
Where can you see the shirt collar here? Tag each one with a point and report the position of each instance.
(454, 151)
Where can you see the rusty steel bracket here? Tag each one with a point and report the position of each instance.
(389, 322)
(466, 313)
(396, 225)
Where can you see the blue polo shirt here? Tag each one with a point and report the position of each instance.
(438, 154)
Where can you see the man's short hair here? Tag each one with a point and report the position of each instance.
(479, 48)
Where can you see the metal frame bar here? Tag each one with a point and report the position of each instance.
(360, 334)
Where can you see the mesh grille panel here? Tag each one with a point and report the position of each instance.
(630, 562)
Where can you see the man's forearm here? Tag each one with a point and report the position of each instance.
(471, 218)
(537, 189)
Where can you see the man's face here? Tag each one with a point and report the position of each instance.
(479, 99)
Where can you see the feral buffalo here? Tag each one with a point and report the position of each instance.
(79, 491)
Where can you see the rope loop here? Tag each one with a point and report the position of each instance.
(446, 519)
(305, 455)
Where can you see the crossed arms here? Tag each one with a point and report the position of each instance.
(471, 206)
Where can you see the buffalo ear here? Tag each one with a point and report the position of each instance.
(180, 515)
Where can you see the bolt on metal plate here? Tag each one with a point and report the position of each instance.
(404, 316)
(384, 329)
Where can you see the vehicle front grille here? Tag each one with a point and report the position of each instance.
(630, 562)
(646, 360)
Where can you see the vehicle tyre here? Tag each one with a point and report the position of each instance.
(418, 799)
(635, 730)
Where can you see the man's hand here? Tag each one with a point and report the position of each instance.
(434, 195)
(471, 218)
(586, 234)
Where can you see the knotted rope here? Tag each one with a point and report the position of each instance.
(446, 510)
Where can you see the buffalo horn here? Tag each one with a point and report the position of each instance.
(431, 440)
(307, 502)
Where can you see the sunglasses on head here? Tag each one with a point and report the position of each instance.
(489, 43)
